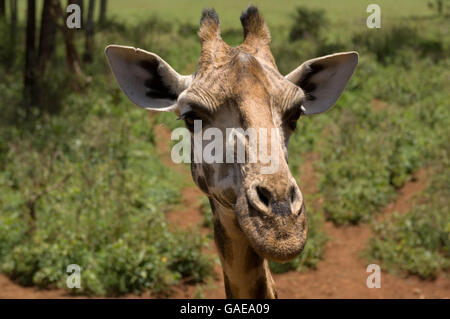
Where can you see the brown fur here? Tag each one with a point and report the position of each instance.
(253, 260)
(223, 241)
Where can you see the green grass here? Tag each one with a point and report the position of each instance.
(276, 13)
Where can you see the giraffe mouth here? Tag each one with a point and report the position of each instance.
(275, 237)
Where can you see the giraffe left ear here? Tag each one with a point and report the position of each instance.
(147, 80)
(323, 80)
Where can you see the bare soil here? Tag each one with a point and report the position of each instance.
(340, 274)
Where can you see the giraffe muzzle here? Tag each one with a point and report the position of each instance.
(275, 227)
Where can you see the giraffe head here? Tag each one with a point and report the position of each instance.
(241, 88)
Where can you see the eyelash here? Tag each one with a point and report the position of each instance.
(292, 118)
(189, 118)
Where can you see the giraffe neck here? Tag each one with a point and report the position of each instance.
(246, 274)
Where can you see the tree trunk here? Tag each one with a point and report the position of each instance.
(12, 34)
(89, 44)
(13, 12)
(81, 4)
(102, 14)
(29, 93)
(2, 9)
(72, 58)
(47, 35)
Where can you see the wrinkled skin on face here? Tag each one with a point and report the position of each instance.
(274, 237)
(268, 208)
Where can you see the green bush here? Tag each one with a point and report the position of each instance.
(401, 44)
(188, 259)
(369, 153)
(81, 183)
(417, 242)
(387, 43)
(107, 216)
(307, 22)
(102, 197)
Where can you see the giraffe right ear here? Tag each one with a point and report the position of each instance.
(323, 80)
(146, 79)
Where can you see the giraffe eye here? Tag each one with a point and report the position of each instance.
(189, 119)
(292, 117)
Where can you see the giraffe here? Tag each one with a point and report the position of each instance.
(257, 217)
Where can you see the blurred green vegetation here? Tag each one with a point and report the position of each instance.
(81, 182)
(417, 242)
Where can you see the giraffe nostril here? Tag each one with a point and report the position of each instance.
(292, 194)
(263, 194)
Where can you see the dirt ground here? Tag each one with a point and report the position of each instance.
(340, 274)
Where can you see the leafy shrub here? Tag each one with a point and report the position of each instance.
(417, 242)
(433, 48)
(187, 29)
(307, 22)
(187, 258)
(387, 43)
(107, 216)
(9, 48)
(81, 183)
(368, 153)
(400, 43)
(330, 47)
(232, 36)
(438, 5)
